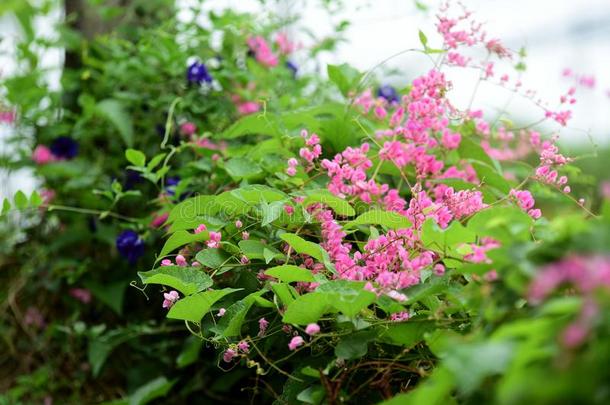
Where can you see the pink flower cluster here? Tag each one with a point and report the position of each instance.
(550, 160)
(526, 202)
(586, 274)
(262, 51)
(170, 298)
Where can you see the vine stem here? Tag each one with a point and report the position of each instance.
(87, 211)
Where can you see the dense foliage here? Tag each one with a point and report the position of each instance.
(367, 244)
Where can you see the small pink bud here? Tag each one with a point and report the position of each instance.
(312, 329)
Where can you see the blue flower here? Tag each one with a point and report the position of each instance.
(171, 183)
(64, 147)
(131, 179)
(292, 67)
(388, 92)
(197, 73)
(130, 245)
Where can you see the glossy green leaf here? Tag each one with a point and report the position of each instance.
(187, 280)
(194, 307)
(288, 273)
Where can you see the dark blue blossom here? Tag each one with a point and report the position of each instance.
(171, 183)
(292, 67)
(197, 73)
(130, 245)
(388, 92)
(131, 179)
(64, 147)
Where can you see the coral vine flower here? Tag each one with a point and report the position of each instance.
(170, 298)
(42, 155)
(214, 241)
(295, 342)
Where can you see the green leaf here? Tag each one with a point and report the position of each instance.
(284, 292)
(101, 346)
(347, 297)
(241, 167)
(468, 149)
(250, 125)
(303, 246)
(21, 201)
(233, 319)
(344, 77)
(181, 238)
(135, 157)
(272, 211)
(190, 352)
(157, 388)
(423, 39)
(212, 257)
(389, 219)
(255, 250)
(443, 240)
(111, 294)
(35, 199)
(407, 334)
(340, 206)
(307, 309)
(6, 206)
(289, 273)
(489, 176)
(355, 345)
(115, 112)
(193, 207)
(187, 280)
(434, 390)
(194, 307)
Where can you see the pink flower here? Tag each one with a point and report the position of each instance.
(221, 312)
(159, 219)
(42, 155)
(228, 355)
(286, 47)
(439, 269)
(243, 346)
(188, 128)
(81, 294)
(214, 241)
(262, 51)
(295, 342)
(289, 209)
(245, 235)
(312, 329)
(238, 224)
(170, 298)
(201, 228)
(248, 107)
(244, 260)
(400, 316)
(166, 262)
(181, 261)
(262, 326)
(291, 171)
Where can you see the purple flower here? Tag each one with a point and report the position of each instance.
(64, 147)
(197, 73)
(388, 92)
(130, 245)
(292, 67)
(171, 183)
